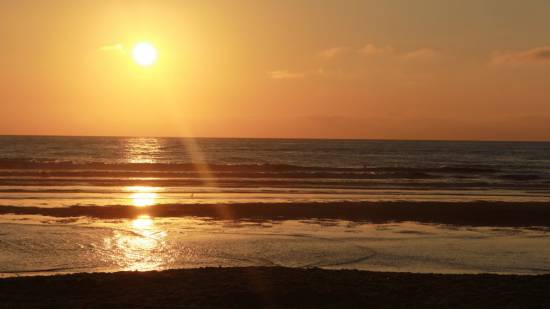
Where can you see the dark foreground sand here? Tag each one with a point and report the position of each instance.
(274, 288)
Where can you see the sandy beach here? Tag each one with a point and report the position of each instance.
(275, 287)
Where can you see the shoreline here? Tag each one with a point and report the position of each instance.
(275, 287)
(510, 214)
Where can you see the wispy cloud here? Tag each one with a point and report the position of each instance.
(535, 55)
(350, 65)
(285, 74)
(421, 54)
(118, 47)
(373, 50)
(417, 54)
(334, 52)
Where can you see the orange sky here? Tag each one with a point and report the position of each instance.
(396, 69)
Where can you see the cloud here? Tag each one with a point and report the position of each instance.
(417, 54)
(535, 55)
(334, 52)
(373, 50)
(285, 74)
(350, 67)
(119, 48)
(421, 54)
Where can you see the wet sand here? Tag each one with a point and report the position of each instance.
(49, 246)
(275, 287)
(510, 214)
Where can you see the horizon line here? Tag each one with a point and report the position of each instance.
(287, 138)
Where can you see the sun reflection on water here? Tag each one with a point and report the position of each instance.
(142, 150)
(143, 196)
(141, 248)
(142, 222)
(143, 199)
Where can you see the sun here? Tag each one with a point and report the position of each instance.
(144, 54)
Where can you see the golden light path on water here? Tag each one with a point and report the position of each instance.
(142, 196)
(140, 248)
(139, 245)
(142, 150)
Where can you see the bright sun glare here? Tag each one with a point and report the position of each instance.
(143, 196)
(144, 54)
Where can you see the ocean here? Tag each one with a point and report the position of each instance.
(89, 204)
(67, 171)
